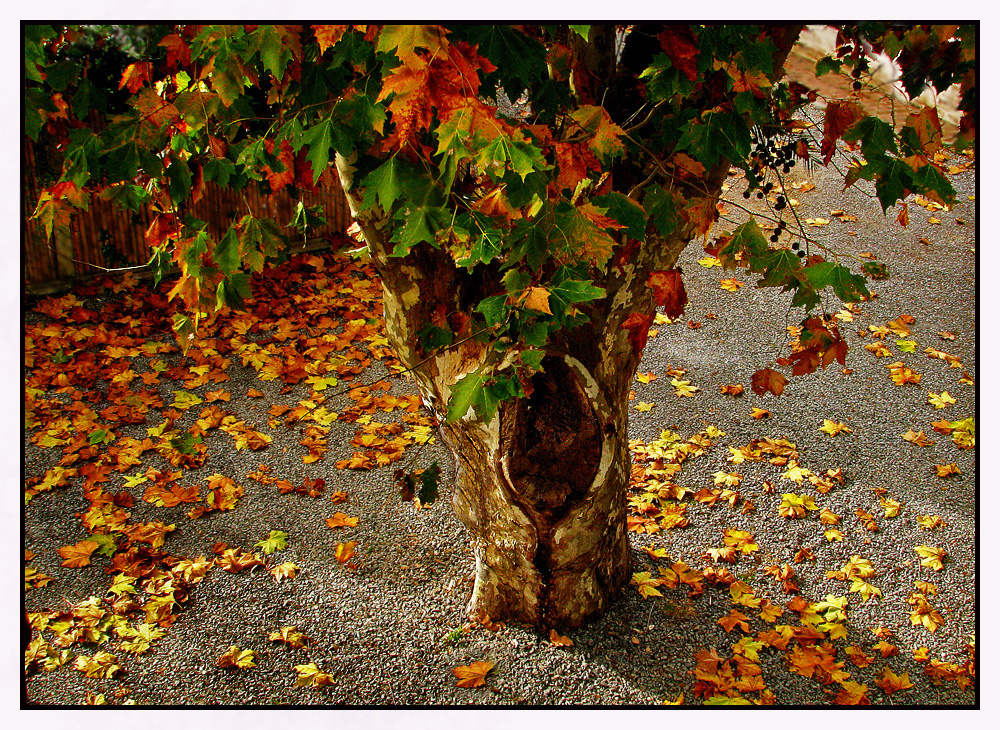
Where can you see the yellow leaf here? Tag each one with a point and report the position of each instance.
(643, 407)
(931, 557)
(731, 284)
(537, 298)
(238, 658)
(646, 584)
(709, 261)
(940, 400)
(833, 427)
(684, 388)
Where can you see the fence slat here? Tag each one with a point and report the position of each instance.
(126, 233)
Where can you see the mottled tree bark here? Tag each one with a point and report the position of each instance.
(541, 486)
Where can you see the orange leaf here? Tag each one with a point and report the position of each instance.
(345, 551)
(78, 556)
(473, 675)
(558, 640)
(339, 519)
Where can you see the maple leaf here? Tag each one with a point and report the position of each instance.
(683, 388)
(289, 635)
(101, 665)
(918, 438)
(730, 284)
(646, 584)
(833, 427)
(759, 413)
(931, 557)
(865, 589)
(277, 540)
(768, 381)
(946, 470)
(78, 556)
(852, 693)
(472, 675)
(902, 375)
(310, 675)
(734, 619)
(890, 682)
(890, 506)
(940, 400)
(339, 519)
(284, 570)
(344, 551)
(668, 291)
(730, 479)
(237, 658)
(740, 540)
(736, 389)
(644, 407)
(709, 261)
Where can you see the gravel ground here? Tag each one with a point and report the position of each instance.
(390, 631)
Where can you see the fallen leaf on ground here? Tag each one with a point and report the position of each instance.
(473, 675)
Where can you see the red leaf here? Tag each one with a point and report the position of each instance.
(840, 115)
(668, 291)
(638, 329)
(136, 75)
(767, 380)
(678, 43)
(178, 52)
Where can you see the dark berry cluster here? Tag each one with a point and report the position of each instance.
(856, 75)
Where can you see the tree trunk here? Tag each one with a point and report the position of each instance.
(541, 486)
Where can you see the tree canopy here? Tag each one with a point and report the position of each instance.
(619, 146)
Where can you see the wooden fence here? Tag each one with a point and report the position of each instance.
(104, 237)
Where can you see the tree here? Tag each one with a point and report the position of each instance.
(522, 255)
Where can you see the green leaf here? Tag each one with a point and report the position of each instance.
(179, 177)
(272, 50)
(893, 179)
(582, 30)
(828, 64)
(876, 137)
(227, 252)
(780, 268)
(319, 138)
(749, 242)
(421, 223)
(494, 309)
(126, 195)
(277, 540)
(307, 217)
(849, 287)
(384, 185)
(434, 338)
(624, 210)
(470, 392)
(664, 209)
(429, 477)
(520, 60)
(232, 292)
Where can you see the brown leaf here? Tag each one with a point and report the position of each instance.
(768, 381)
